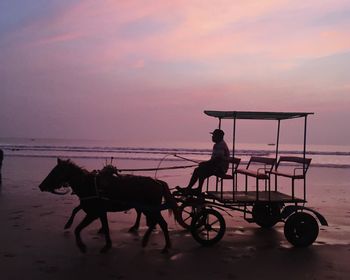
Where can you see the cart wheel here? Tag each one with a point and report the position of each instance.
(301, 229)
(187, 212)
(266, 214)
(208, 227)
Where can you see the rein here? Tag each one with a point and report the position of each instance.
(154, 169)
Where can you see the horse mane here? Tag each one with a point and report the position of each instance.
(72, 164)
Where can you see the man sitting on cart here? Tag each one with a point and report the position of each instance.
(217, 165)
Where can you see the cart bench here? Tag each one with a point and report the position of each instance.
(294, 173)
(262, 171)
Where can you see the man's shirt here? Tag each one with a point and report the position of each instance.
(221, 155)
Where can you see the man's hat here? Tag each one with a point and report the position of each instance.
(218, 132)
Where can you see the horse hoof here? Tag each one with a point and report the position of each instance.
(133, 229)
(165, 251)
(105, 249)
(67, 226)
(144, 243)
(82, 248)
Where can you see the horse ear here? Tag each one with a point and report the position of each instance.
(59, 161)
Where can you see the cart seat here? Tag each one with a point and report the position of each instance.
(288, 175)
(234, 161)
(226, 176)
(260, 169)
(296, 173)
(253, 173)
(259, 172)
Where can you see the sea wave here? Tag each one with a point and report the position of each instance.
(331, 159)
(145, 150)
(326, 165)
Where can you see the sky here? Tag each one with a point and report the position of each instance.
(144, 71)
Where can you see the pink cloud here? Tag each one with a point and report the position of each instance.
(200, 31)
(66, 37)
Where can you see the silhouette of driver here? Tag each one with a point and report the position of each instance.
(217, 165)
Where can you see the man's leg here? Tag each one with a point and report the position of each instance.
(208, 169)
(201, 182)
(203, 171)
(194, 178)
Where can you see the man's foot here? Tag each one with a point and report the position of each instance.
(182, 190)
(188, 191)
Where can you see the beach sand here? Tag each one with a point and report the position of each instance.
(34, 244)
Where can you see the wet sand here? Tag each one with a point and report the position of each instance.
(34, 244)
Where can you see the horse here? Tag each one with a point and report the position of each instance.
(106, 170)
(100, 193)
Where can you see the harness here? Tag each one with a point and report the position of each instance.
(98, 195)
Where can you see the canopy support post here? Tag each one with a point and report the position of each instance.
(234, 175)
(304, 156)
(277, 149)
(278, 139)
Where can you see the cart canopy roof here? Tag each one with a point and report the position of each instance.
(255, 115)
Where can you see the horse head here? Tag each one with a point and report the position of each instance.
(58, 177)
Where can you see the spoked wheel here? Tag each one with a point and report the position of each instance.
(266, 214)
(208, 227)
(301, 229)
(187, 212)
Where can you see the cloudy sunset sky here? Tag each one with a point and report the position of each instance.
(135, 69)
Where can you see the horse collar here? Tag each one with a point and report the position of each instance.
(97, 195)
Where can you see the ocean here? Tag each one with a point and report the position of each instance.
(28, 161)
(105, 151)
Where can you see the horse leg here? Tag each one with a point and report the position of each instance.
(105, 228)
(74, 212)
(84, 223)
(136, 226)
(151, 223)
(152, 220)
(164, 226)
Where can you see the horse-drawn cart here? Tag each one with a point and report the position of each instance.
(256, 190)
(265, 202)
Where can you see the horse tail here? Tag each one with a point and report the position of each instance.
(170, 200)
